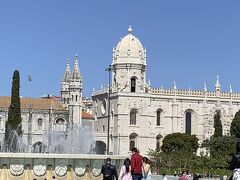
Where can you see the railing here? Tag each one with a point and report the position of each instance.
(184, 92)
(189, 92)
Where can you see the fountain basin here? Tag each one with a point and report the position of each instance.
(41, 166)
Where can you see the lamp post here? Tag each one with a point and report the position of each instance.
(109, 69)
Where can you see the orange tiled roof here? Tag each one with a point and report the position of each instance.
(35, 103)
(86, 115)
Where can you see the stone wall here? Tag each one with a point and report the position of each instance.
(29, 166)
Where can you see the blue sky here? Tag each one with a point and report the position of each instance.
(187, 41)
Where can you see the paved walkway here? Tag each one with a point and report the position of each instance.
(159, 177)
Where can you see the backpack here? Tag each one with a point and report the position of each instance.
(108, 172)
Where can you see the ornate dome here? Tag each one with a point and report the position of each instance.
(129, 50)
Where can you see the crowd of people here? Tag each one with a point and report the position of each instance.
(136, 168)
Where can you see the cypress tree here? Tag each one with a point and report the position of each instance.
(235, 125)
(217, 125)
(14, 114)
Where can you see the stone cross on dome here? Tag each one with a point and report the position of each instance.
(130, 29)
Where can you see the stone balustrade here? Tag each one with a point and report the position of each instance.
(30, 166)
(163, 91)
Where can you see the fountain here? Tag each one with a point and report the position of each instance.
(63, 154)
(76, 141)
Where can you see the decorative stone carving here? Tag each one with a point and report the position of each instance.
(61, 167)
(16, 167)
(80, 167)
(97, 166)
(39, 167)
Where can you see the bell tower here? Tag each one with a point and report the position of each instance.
(129, 65)
(71, 92)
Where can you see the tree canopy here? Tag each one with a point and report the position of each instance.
(180, 147)
(217, 125)
(14, 113)
(235, 125)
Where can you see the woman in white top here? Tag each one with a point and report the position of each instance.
(146, 169)
(125, 172)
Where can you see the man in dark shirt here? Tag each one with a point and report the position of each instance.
(109, 171)
(136, 165)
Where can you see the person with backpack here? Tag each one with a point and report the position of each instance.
(109, 171)
(235, 163)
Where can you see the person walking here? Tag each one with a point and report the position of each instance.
(109, 171)
(164, 176)
(125, 172)
(184, 176)
(146, 169)
(136, 165)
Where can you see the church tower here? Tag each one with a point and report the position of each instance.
(129, 65)
(71, 92)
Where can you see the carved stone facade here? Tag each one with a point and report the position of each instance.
(141, 115)
(42, 116)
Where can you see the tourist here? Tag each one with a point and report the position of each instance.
(125, 172)
(235, 163)
(109, 171)
(164, 176)
(136, 165)
(195, 177)
(146, 169)
(184, 176)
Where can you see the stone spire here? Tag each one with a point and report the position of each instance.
(76, 72)
(205, 87)
(67, 74)
(217, 85)
(230, 89)
(174, 85)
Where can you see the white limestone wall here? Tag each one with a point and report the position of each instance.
(173, 117)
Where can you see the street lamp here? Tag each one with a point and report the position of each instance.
(109, 69)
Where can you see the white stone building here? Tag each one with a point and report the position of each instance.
(141, 115)
(42, 116)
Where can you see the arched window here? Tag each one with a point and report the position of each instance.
(60, 124)
(159, 114)
(100, 147)
(112, 115)
(133, 117)
(40, 123)
(188, 123)
(133, 84)
(39, 147)
(132, 141)
(158, 141)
